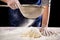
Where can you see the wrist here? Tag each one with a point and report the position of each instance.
(42, 29)
(44, 25)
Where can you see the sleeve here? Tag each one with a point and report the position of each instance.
(45, 2)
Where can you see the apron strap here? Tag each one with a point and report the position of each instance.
(38, 2)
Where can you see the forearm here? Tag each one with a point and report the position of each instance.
(4, 1)
(45, 16)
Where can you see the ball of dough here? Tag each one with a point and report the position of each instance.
(32, 32)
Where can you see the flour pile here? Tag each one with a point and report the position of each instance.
(32, 32)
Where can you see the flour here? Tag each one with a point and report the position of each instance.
(17, 34)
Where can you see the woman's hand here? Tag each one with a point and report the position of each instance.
(46, 32)
(11, 3)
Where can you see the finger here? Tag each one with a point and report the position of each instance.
(16, 6)
(49, 33)
(53, 32)
(45, 33)
(42, 32)
(12, 6)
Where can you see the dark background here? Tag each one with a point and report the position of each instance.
(55, 14)
(54, 20)
(4, 15)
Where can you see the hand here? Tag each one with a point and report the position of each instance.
(46, 32)
(12, 4)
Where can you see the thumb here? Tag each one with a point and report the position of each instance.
(13, 5)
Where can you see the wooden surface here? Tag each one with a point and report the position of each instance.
(15, 34)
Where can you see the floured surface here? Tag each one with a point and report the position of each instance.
(17, 34)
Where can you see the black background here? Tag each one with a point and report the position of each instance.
(4, 15)
(55, 14)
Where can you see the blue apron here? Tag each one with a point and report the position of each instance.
(16, 18)
(38, 21)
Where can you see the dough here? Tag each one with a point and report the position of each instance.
(32, 32)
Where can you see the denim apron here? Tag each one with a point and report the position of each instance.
(16, 18)
(38, 21)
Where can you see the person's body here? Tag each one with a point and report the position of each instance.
(44, 3)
